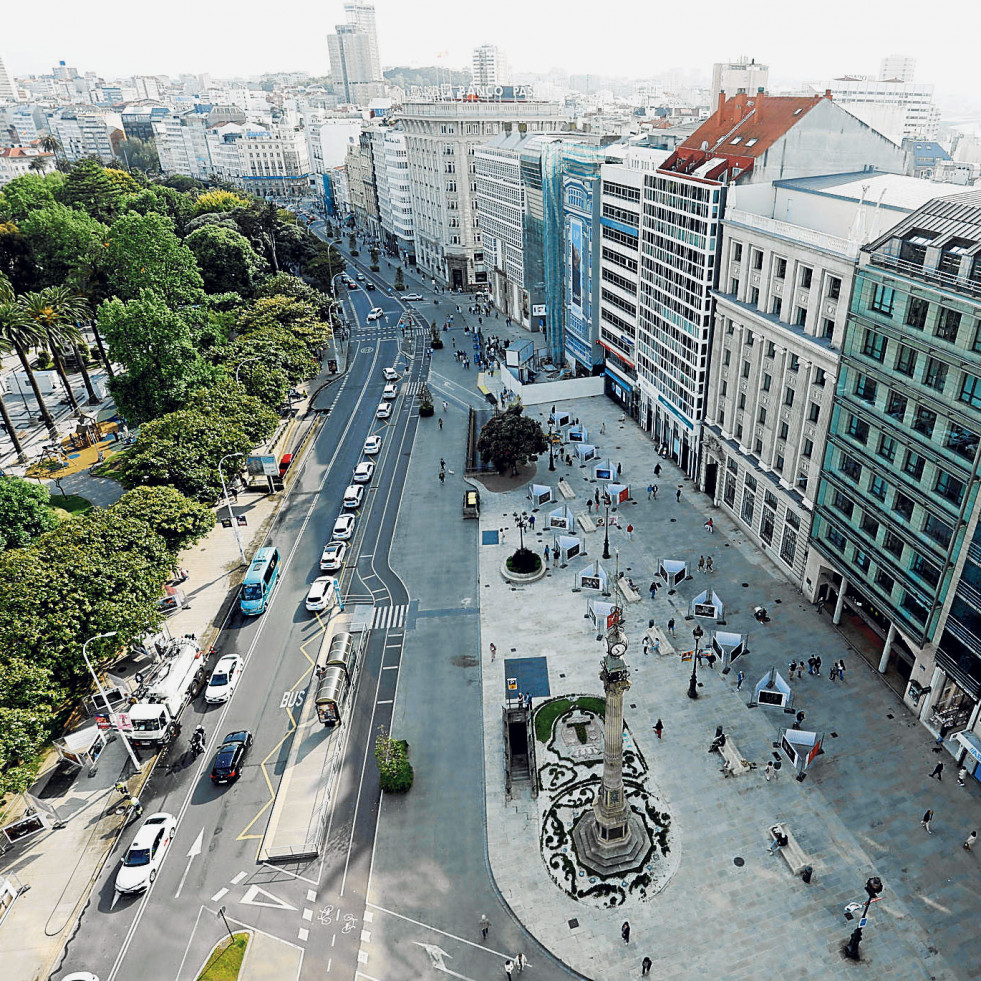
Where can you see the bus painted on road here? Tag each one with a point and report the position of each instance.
(259, 581)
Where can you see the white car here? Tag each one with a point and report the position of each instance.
(360, 277)
(375, 313)
(322, 594)
(333, 556)
(391, 392)
(353, 496)
(411, 296)
(383, 411)
(144, 855)
(343, 527)
(363, 472)
(223, 679)
(372, 445)
(390, 374)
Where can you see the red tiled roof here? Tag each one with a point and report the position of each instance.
(20, 151)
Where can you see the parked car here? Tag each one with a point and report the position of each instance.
(375, 313)
(227, 765)
(372, 445)
(411, 296)
(383, 411)
(333, 556)
(363, 472)
(343, 527)
(391, 392)
(353, 496)
(284, 463)
(390, 374)
(224, 678)
(145, 854)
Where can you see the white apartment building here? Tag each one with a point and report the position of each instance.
(18, 160)
(400, 225)
(362, 16)
(328, 137)
(748, 140)
(8, 88)
(500, 201)
(441, 140)
(742, 75)
(898, 109)
(788, 259)
(181, 141)
(25, 123)
(87, 132)
(490, 66)
(274, 163)
(353, 50)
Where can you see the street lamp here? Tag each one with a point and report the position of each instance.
(551, 448)
(105, 698)
(521, 522)
(606, 527)
(693, 681)
(238, 368)
(228, 501)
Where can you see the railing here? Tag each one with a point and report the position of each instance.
(808, 236)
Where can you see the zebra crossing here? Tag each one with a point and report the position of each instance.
(389, 617)
(411, 389)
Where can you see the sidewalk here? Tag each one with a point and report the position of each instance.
(740, 911)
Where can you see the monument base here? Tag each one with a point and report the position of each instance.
(611, 857)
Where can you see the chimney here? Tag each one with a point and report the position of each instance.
(760, 98)
(722, 102)
(827, 94)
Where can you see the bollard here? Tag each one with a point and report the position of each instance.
(806, 873)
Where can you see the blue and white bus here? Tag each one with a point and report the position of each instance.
(259, 582)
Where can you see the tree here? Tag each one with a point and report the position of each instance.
(23, 734)
(30, 193)
(144, 252)
(19, 332)
(324, 266)
(227, 261)
(183, 183)
(399, 280)
(57, 310)
(395, 772)
(90, 187)
(219, 200)
(164, 201)
(16, 261)
(65, 243)
(178, 520)
(510, 440)
(299, 316)
(154, 342)
(271, 359)
(228, 400)
(183, 449)
(25, 512)
(139, 155)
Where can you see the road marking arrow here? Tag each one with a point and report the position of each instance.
(436, 955)
(274, 902)
(196, 850)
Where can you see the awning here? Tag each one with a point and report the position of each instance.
(620, 381)
(971, 743)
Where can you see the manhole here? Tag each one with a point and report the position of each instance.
(778, 602)
(739, 861)
(745, 585)
(573, 924)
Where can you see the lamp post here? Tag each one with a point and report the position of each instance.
(105, 697)
(551, 448)
(521, 522)
(693, 681)
(231, 513)
(606, 527)
(257, 357)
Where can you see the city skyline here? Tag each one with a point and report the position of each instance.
(837, 43)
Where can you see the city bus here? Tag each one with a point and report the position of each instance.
(259, 581)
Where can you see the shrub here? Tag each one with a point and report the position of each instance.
(394, 769)
(524, 562)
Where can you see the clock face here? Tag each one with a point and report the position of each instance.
(618, 649)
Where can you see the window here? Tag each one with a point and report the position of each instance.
(742, 400)
(877, 487)
(766, 526)
(883, 299)
(806, 273)
(794, 363)
(757, 259)
(827, 328)
(937, 530)
(820, 377)
(913, 465)
(916, 312)
(971, 391)
(776, 306)
(962, 441)
(771, 349)
(948, 323)
(808, 448)
(913, 607)
(779, 268)
(761, 416)
(949, 487)
(778, 465)
(935, 374)
(813, 412)
(788, 396)
(734, 286)
(834, 287)
(865, 389)
(730, 491)
(842, 503)
(924, 421)
(746, 368)
(887, 448)
(884, 581)
(739, 431)
(858, 429)
(749, 503)
(800, 317)
(737, 251)
(767, 381)
(861, 559)
(788, 547)
(926, 570)
(758, 446)
(874, 346)
(723, 388)
(749, 339)
(906, 361)
(754, 296)
(726, 356)
(770, 500)
(836, 539)
(903, 505)
(750, 482)
(851, 468)
(783, 430)
(896, 406)
(893, 544)
(869, 525)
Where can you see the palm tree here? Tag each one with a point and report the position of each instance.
(50, 143)
(56, 310)
(37, 165)
(19, 332)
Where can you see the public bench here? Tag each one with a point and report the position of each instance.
(585, 522)
(793, 854)
(565, 490)
(733, 758)
(627, 591)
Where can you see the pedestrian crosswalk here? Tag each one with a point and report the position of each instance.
(389, 617)
(412, 388)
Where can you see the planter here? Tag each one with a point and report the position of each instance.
(426, 410)
(519, 577)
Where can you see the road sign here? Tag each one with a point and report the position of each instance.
(264, 465)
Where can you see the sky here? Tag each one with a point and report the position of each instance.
(626, 38)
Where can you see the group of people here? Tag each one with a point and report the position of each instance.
(813, 665)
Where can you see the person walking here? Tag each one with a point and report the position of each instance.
(817, 665)
(625, 931)
(710, 525)
(650, 491)
(841, 670)
(630, 532)
(701, 563)
(928, 820)
(671, 627)
(740, 678)
(708, 563)
(653, 588)
(442, 476)
(509, 969)
(446, 405)
(547, 553)
(793, 668)
(440, 422)
(656, 649)
(768, 770)
(833, 673)
(961, 776)
(520, 961)
(658, 728)
(485, 925)
(596, 496)
(971, 839)
(677, 495)
(655, 491)
(645, 967)
(589, 505)
(938, 771)
(442, 464)
(493, 650)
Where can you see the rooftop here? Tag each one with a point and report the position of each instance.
(891, 191)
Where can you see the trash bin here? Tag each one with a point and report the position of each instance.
(806, 873)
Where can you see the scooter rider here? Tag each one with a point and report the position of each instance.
(198, 740)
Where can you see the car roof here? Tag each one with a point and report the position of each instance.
(226, 661)
(149, 830)
(237, 737)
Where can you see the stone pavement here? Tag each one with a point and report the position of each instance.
(857, 813)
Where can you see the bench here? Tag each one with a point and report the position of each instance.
(627, 591)
(792, 852)
(565, 490)
(733, 758)
(585, 522)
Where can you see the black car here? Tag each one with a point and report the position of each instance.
(227, 766)
(369, 285)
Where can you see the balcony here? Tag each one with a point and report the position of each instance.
(944, 281)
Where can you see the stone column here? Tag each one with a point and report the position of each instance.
(840, 605)
(611, 808)
(890, 637)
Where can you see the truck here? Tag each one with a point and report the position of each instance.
(178, 676)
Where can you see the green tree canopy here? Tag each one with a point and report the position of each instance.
(227, 261)
(65, 243)
(218, 200)
(299, 316)
(23, 734)
(183, 449)
(281, 360)
(178, 520)
(155, 344)
(32, 192)
(16, 258)
(139, 155)
(183, 183)
(164, 201)
(509, 440)
(25, 512)
(144, 252)
(89, 186)
(229, 400)
(325, 264)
